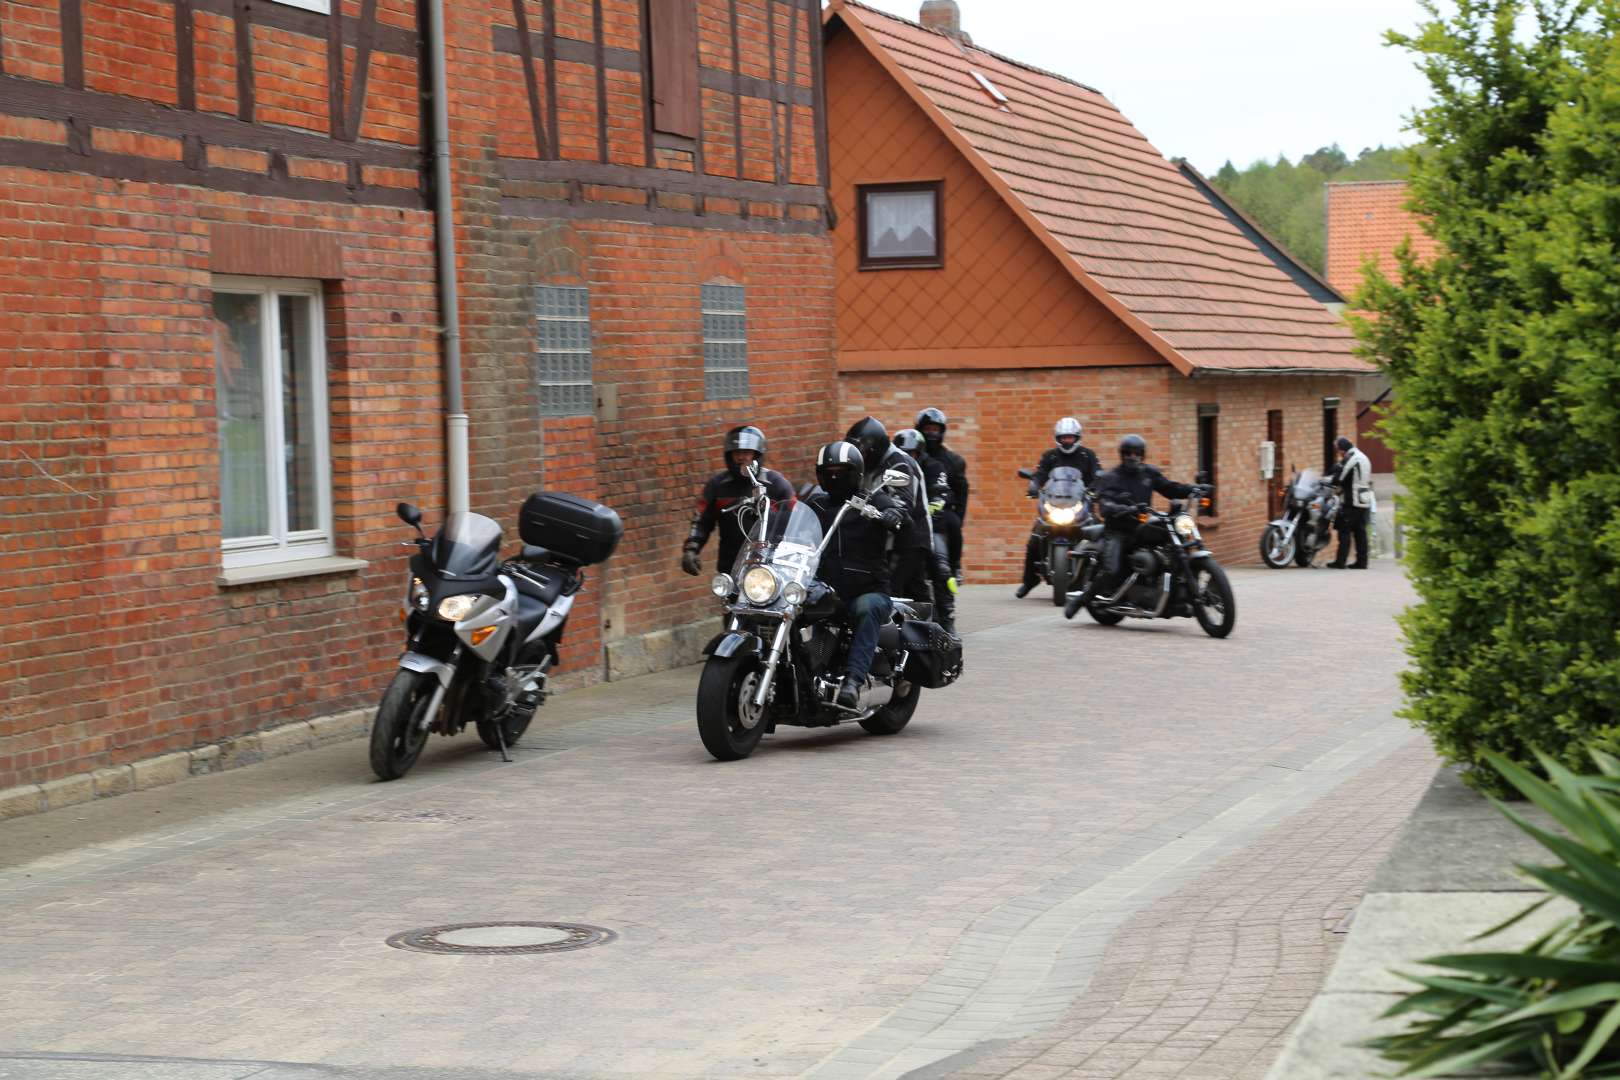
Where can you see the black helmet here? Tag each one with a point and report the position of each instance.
(746, 437)
(839, 469)
(1132, 450)
(873, 439)
(934, 439)
(910, 440)
(1344, 444)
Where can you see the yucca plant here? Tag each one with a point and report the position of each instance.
(1553, 1009)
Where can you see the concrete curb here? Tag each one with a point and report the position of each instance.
(174, 766)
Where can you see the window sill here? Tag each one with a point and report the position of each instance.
(902, 264)
(284, 571)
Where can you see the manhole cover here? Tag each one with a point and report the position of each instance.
(502, 938)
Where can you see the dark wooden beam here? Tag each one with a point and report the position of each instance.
(673, 181)
(72, 22)
(362, 69)
(334, 73)
(818, 94)
(530, 83)
(395, 40)
(47, 101)
(185, 56)
(601, 82)
(548, 12)
(2, 46)
(657, 215)
(244, 61)
(644, 59)
(776, 133)
(736, 95)
(792, 81)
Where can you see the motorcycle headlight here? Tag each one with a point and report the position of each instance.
(1061, 515)
(456, 608)
(794, 593)
(417, 597)
(759, 585)
(721, 585)
(1185, 526)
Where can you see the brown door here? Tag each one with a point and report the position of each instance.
(1279, 476)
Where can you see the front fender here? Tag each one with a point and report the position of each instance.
(428, 666)
(732, 643)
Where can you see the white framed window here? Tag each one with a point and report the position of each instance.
(322, 6)
(725, 342)
(562, 351)
(275, 457)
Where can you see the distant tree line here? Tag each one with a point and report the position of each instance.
(1286, 198)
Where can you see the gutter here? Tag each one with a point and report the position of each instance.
(455, 421)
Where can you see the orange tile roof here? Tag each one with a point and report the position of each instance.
(1131, 229)
(1368, 220)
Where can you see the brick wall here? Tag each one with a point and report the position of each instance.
(1002, 421)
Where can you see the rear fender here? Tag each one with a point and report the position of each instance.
(733, 643)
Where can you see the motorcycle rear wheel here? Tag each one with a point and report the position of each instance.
(1214, 606)
(728, 723)
(512, 727)
(1275, 551)
(1304, 554)
(397, 735)
(892, 718)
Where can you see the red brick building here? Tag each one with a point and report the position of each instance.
(219, 328)
(1021, 252)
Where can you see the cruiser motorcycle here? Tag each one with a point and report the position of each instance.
(1170, 574)
(482, 634)
(1062, 511)
(1306, 526)
(786, 639)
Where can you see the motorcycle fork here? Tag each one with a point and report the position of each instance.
(778, 646)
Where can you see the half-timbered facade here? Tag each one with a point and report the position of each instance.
(220, 329)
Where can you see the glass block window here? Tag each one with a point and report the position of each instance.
(562, 355)
(725, 342)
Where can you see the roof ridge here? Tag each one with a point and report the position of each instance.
(972, 45)
(1361, 183)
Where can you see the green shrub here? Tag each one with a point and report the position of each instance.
(1505, 353)
(1555, 1006)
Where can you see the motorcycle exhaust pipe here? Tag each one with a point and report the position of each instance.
(1164, 595)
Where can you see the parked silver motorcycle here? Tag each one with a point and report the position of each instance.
(482, 633)
(1306, 526)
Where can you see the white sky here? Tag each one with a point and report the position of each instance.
(1208, 81)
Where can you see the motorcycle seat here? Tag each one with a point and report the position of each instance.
(1092, 532)
(542, 585)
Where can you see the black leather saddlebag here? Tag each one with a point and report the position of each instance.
(936, 654)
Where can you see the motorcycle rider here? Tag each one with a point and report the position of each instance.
(855, 564)
(1121, 492)
(744, 455)
(1068, 453)
(914, 545)
(948, 521)
(1353, 477)
(910, 441)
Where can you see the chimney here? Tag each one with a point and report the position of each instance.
(944, 16)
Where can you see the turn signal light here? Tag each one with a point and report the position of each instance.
(482, 634)
(1142, 518)
(1204, 503)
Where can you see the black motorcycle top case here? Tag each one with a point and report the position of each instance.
(568, 526)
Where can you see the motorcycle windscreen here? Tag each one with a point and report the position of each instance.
(467, 547)
(789, 537)
(1064, 487)
(1305, 484)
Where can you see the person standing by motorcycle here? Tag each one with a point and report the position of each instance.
(745, 457)
(937, 480)
(950, 520)
(1068, 453)
(855, 564)
(913, 545)
(1121, 491)
(1353, 477)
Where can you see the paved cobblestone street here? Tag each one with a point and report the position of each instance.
(1107, 852)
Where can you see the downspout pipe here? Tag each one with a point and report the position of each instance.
(455, 421)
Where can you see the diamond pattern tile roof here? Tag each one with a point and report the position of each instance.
(1124, 221)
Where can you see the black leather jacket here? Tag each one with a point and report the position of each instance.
(857, 557)
(1083, 458)
(726, 489)
(956, 473)
(1119, 491)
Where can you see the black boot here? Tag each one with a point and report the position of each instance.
(1072, 606)
(849, 693)
(1025, 588)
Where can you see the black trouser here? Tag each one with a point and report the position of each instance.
(1123, 537)
(1352, 525)
(944, 601)
(948, 523)
(1032, 555)
(911, 576)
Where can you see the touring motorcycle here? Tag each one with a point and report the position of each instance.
(1062, 510)
(482, 634)
(1306, 525)
(786, 640)
(1170, 574)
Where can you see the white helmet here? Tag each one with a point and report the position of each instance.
(1067, 426)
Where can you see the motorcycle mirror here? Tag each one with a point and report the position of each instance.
(897, 478)
(410, 515)
(1027, 474)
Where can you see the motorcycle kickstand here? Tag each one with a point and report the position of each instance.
(500, 737)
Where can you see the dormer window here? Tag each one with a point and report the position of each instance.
(902, 226)
(990, 88)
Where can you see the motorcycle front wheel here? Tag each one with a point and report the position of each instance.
(893, 717)
(1062, 575)
(1305, 554)
(397, 735)
(1213, 604)
(1277, 550)
(728, 721)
